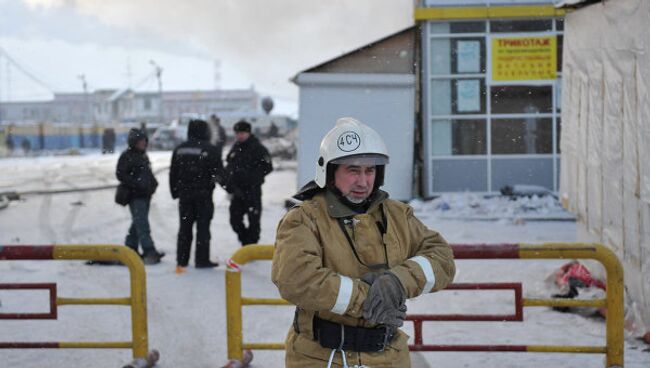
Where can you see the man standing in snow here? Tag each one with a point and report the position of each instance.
(134, 172)
(196, 167)
(248, 162)
(348, 258)
(218, 133)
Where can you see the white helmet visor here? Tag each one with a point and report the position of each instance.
(369, 159)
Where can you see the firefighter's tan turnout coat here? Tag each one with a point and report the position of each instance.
(315, 268)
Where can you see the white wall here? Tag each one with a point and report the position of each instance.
(383, 101)
(605, 174)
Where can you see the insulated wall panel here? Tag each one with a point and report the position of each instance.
(582, 152)
(612, 163)
(631, 244)
(594, 217)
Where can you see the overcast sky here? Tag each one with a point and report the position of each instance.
(259, 42)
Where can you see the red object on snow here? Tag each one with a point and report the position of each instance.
(577, 271)
(646, 337)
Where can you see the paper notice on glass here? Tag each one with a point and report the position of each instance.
(468, 57)
(468, 96)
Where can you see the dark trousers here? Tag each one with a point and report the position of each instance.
(140, 232)
(248, 204)
(197, 209)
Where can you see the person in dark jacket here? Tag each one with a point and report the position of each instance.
(248, 162)
(134, 171)
(218, 133)
(196, 167)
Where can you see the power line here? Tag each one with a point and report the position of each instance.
(25, 72)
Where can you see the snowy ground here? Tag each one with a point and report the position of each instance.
(187, 312)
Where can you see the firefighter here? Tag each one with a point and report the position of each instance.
(348, 258)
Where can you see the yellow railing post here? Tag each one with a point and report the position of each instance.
(234, 312)
(615, 287)
(140, 340)
(233, 294)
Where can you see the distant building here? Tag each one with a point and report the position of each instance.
(127, 106)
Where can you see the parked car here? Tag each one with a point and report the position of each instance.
(165, 138)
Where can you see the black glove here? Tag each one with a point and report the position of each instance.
(385, 303)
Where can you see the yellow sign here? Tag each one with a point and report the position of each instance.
(524, 58)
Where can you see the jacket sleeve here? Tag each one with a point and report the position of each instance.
(123, 172)
(300, 276)
(173, 176)
(265, 162)
(431, 264)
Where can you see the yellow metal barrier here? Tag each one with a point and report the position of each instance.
(137, 299)
(613, 300)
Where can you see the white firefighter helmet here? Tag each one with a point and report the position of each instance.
(350, 142)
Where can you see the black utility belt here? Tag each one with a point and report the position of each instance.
(348, 338)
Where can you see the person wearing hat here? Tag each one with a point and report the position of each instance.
(135, 176)
(348, 257)
(247, 163)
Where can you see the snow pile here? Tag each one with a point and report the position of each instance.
(470, 206)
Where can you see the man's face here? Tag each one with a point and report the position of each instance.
(141, 144)
(355, 181)
(242, 136)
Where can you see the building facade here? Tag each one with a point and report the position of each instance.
(128, 106)
(490, 86)
(477, 102)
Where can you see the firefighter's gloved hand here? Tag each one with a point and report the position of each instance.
(370, 277)
(385, 303)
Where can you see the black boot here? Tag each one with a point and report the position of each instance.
(152, 257)
(207, 264)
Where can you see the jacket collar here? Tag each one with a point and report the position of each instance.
(337, 209)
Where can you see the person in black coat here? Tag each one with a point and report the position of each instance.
(134, 172)
(196, 167)
(218, 133)
(248, 162)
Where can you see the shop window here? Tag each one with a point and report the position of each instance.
(559, 24)
(457, 55)
(522, 136)
(521, 99)
(458, 137)
(511, 26)
(458, 96)
(457, 27)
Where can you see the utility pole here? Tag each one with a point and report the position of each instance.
(84, 86)
(158, 71)
(217, 74)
